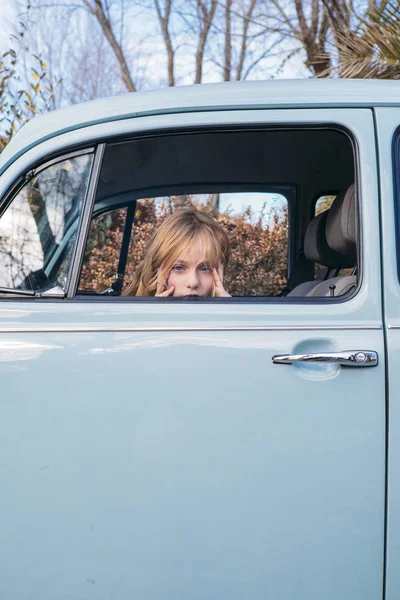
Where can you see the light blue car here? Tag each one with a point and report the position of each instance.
(238, 448)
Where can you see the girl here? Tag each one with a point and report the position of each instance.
(185, 257)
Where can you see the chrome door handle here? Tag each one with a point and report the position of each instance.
(348, 358)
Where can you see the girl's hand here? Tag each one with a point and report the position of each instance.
(161, 291)
(220, 292)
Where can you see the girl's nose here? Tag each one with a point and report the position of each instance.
(192, 281)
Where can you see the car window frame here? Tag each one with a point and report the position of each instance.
(99, 147)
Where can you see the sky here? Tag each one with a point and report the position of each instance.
(7, 10)
(151, 64)
(8, 17)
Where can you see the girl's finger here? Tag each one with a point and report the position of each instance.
(219, 287)
(161, 287)
(162, 282)
(221, 271)
(167, 292)
(217, 278)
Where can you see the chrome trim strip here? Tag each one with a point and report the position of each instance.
(83, 230)
(102, 329)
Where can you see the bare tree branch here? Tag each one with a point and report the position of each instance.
(302, 20)
(309, 23)
(285, 18)
(100, 10)
(255, 62)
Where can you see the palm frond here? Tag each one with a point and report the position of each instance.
(373, 52)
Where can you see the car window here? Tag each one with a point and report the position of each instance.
(257, 186)
(39, 227)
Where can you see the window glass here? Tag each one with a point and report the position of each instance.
(38, 229)
(257, 189)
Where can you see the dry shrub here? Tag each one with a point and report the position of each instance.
(258, 264)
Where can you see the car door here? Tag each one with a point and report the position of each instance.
(155, 450)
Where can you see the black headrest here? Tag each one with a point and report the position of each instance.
(316, 247)
(341, 227)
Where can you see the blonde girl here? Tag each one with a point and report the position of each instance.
(186, 256)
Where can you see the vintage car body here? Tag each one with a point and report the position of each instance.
(154, 450)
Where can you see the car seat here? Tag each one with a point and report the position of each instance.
(330, 240)
(341, 236)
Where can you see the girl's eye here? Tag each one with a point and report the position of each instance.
(177, 268)
(205, 269)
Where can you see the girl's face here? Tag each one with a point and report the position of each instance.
(191, 274)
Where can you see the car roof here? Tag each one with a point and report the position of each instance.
(290, 93)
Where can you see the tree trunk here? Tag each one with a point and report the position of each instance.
(164, 23)
(213, 204)
(228, 41)
(204, 31)
(243, 45)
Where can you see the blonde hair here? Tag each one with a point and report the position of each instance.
(176, 233)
